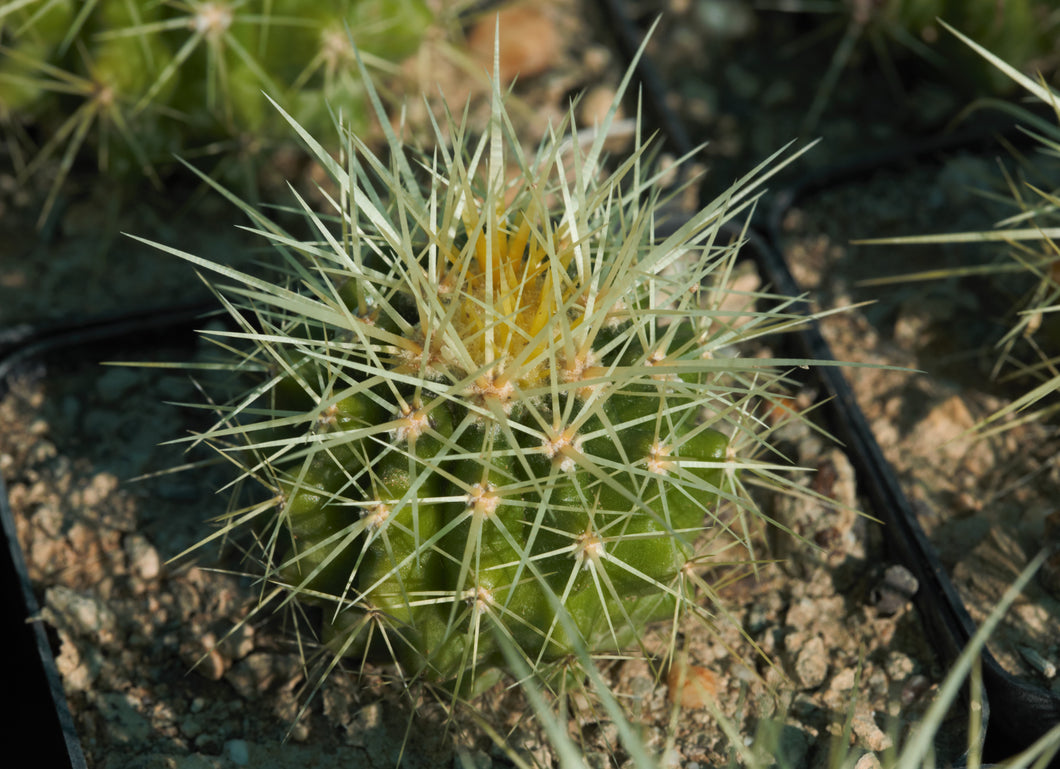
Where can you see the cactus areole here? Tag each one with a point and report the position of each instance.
(488, 404)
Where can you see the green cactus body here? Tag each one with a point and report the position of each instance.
(30, 35)
(493, 410)
(20, 91)
(477, 512)
(509, 446)
(451, 518)
(1019, 31)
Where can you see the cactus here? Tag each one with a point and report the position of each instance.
(175, 78)
(490, 410)
(1022, 31)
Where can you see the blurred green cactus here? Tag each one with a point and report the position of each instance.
(1023, 32)
(175, 77)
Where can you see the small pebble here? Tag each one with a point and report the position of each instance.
(868, 761)
(895, 590)
(692, 686)
(811, 666)
(237, 752)
(529, 41)
(144, 560)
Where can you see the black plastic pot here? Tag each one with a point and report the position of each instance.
(37, 718)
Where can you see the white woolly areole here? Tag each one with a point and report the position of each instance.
(557, 449)
(483, 499)
(376, 515)
(589, 548)
(213, 19)
(657, 461)
(413, 424)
